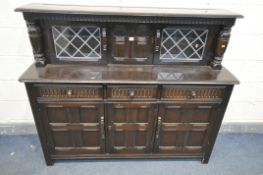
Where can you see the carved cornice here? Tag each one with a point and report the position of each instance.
(131, 19)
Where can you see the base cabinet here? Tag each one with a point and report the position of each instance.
(127, 121)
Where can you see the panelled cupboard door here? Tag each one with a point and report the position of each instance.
(184, 128)
(130, 127)
(131, 44)
(74, 128)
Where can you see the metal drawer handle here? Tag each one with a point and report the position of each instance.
(109, 127)
(158, 35)
(102, 127)
(131, 38)
(104, 35)
(159, 123)
(131, 93)
(69, 92)
(118, 106)
(193, 94)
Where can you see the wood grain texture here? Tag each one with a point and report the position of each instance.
(71, 91)
(184, 127)
(74, 128)
(205, 93)
(77, 128)
(131, 127)
(129, 11)
(122, 92)
(131, 74)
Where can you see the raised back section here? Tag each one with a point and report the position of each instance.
(102, 35)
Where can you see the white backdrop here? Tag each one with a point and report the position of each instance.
(243, 57)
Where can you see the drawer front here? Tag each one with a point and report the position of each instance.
(70, 91)
(131, 92)
(193, 92)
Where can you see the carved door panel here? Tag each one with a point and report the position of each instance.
(74, 128)
(184, 128)
(131, 127)
(131, 44)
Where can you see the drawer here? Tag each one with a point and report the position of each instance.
(70, 91)
(192, 92)
(131, 92)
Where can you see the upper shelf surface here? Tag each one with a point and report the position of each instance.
(127, 11)
(131, 74)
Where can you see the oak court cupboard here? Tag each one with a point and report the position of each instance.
(127, 82)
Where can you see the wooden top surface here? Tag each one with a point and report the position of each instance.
(127, 74)
(127, 11)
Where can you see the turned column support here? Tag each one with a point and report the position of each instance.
(222, 42)
(35, 36)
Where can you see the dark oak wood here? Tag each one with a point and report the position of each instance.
(31, 92)
(131, 44)
(128, 74)
(184, 127)
(131, 11)
(118, 40)
(221, 45)
(127, 82)
(131, 127)
(129, 92)
(36, 39)
(74, 127)
(70, 91)
(204, 93)
(216, 125)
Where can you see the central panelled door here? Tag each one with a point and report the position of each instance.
(131, 127)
